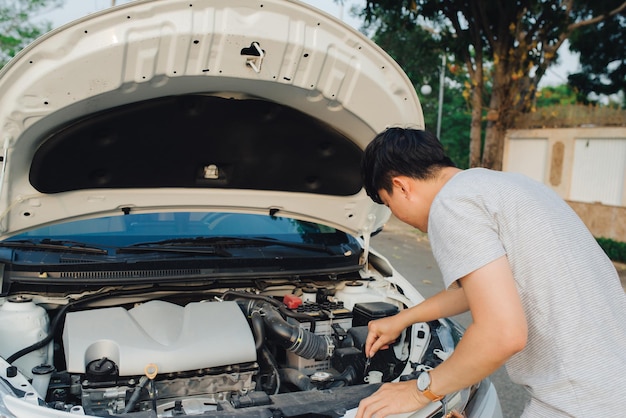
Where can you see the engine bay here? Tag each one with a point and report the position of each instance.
(239, 351)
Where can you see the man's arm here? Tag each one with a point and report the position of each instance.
(384, 331)
(498, 331)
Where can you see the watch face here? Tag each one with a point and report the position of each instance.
(423, 381)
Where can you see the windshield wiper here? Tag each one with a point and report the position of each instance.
(177, 245)
(54, 245)
(231, 242)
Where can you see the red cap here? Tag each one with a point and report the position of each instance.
(292, 301)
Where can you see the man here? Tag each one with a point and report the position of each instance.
(543, 296)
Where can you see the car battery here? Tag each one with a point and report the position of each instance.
(326, 316)
(365, 312)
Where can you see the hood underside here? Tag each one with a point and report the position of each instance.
(212, 104)
(198, 141)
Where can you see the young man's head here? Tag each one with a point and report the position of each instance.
(401, 152)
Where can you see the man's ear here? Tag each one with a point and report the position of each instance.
(402, 185)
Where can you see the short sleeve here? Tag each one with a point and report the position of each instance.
(463, 233)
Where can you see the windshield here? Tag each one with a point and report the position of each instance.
(178, 245)
(133, 229)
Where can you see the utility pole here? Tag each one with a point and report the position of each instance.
(442, 80)
(427, 89)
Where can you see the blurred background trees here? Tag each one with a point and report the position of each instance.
(19, 26)
(602, 49)
(497, 54)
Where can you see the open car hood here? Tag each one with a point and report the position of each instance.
(236, 105)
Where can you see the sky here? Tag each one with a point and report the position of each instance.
(74, 9)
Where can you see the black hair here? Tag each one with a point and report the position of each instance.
(401, 151)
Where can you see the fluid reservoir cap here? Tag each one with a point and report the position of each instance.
(43, 369)
(309, 294)
(355, 287)
(354, 284)
(321, 376)
(101, 367)
(19, 299)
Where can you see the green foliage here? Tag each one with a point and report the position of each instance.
(602, 49)
(504, 46)
(419, 53)
(18, 27)
(455, 126)
(556, 95)
(615, 250)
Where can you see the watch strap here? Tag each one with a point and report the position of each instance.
(430, 395)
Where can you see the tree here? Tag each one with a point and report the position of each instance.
(419, 53)
(416, 51)
(17, 25)
(505, 47)
(602, 49)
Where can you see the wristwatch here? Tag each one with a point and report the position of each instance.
(423, 385)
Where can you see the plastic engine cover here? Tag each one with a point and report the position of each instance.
(174, 338)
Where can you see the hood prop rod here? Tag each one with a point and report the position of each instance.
(5, 153)
(367, 235)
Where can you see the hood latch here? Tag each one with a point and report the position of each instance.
(254, 55)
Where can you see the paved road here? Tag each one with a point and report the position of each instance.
(409, 251)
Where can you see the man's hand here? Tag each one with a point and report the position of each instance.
(381, 333)
(392, 398)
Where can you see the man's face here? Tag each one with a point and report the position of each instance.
(407, 203)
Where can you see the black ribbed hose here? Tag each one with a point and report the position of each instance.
(295, 339)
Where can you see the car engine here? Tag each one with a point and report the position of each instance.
(234, 350)
(174, 351)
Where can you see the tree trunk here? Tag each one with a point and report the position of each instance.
(476, 127)
(494, 147)
(504, 104)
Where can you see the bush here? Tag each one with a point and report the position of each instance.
(614, 249)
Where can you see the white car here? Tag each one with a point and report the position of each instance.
(183, 228)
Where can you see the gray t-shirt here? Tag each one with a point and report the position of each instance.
(574, 363)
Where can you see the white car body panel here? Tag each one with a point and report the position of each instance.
(145, 49)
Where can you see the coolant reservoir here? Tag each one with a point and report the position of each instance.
(357, 292)
(22, 323)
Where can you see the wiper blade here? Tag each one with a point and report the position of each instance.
(272, 241)
(177, 245)
(171, 249)
(54, 245)
(236, 241)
